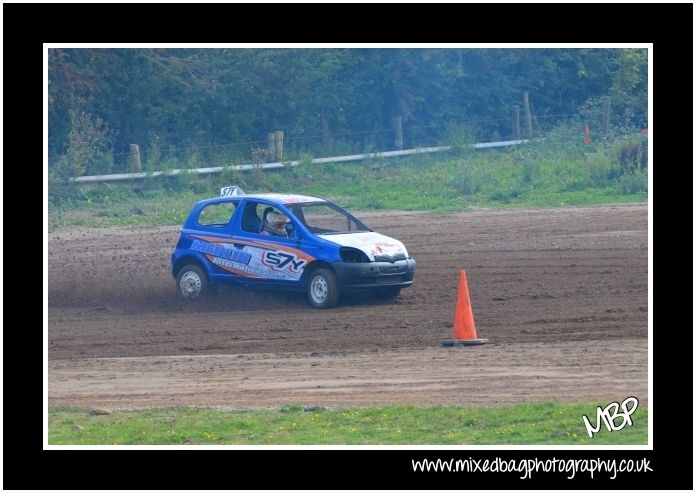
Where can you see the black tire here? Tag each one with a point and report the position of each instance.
(388, 293)
(192, 282)
(322, 288)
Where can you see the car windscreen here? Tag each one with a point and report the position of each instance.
(326, 218)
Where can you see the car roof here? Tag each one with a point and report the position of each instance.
(281, 198)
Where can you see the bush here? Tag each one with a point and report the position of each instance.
(465, 180)
(462, 138)
(102, 165)
(170, 163)
(229, 176)
(530, 170)
(505, 195)
(633, 154)
(195, 161)
(602, 168)
(153, 155)
(89, 139)
(633, 181)
(190, 180)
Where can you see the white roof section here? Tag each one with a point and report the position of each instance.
(284, 198)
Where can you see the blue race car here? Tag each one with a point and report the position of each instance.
(291, 242)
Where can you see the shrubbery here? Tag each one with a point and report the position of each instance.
(543, 173)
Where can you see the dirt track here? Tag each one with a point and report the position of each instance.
(561, 293)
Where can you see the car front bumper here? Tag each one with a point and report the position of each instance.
(375, 274)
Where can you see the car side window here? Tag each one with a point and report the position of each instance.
(323, 219)
(251, 223)
(266, 220)
(273, 222)
(217, 215)
(299, 214)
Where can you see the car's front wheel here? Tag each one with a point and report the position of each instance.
(192, 282)
(322, 288)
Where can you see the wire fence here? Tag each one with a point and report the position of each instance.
(288, 145)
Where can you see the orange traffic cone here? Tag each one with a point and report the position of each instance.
(464, 332)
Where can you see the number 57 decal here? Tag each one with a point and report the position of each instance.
(282, 260)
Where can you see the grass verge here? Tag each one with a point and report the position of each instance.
(546, 423)
(535, 175)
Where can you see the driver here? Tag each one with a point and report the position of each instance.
(274, 225)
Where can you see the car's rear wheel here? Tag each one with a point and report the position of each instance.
(322, 288)
(192, 282)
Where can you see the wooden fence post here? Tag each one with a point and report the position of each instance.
(398, 133)
(515, 121)
(134, 159)
(325, 133)
(527, 113)
(278, 141)
(270, 142)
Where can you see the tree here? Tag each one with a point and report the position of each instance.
(195, 99)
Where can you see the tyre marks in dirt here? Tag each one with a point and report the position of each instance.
(490, 375)
(544, 275)
(561, 294)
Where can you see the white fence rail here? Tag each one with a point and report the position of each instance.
(334, 159)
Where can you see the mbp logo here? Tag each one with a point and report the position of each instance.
(609, 415)
(282, 260)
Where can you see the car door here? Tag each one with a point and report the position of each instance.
(272, 260)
